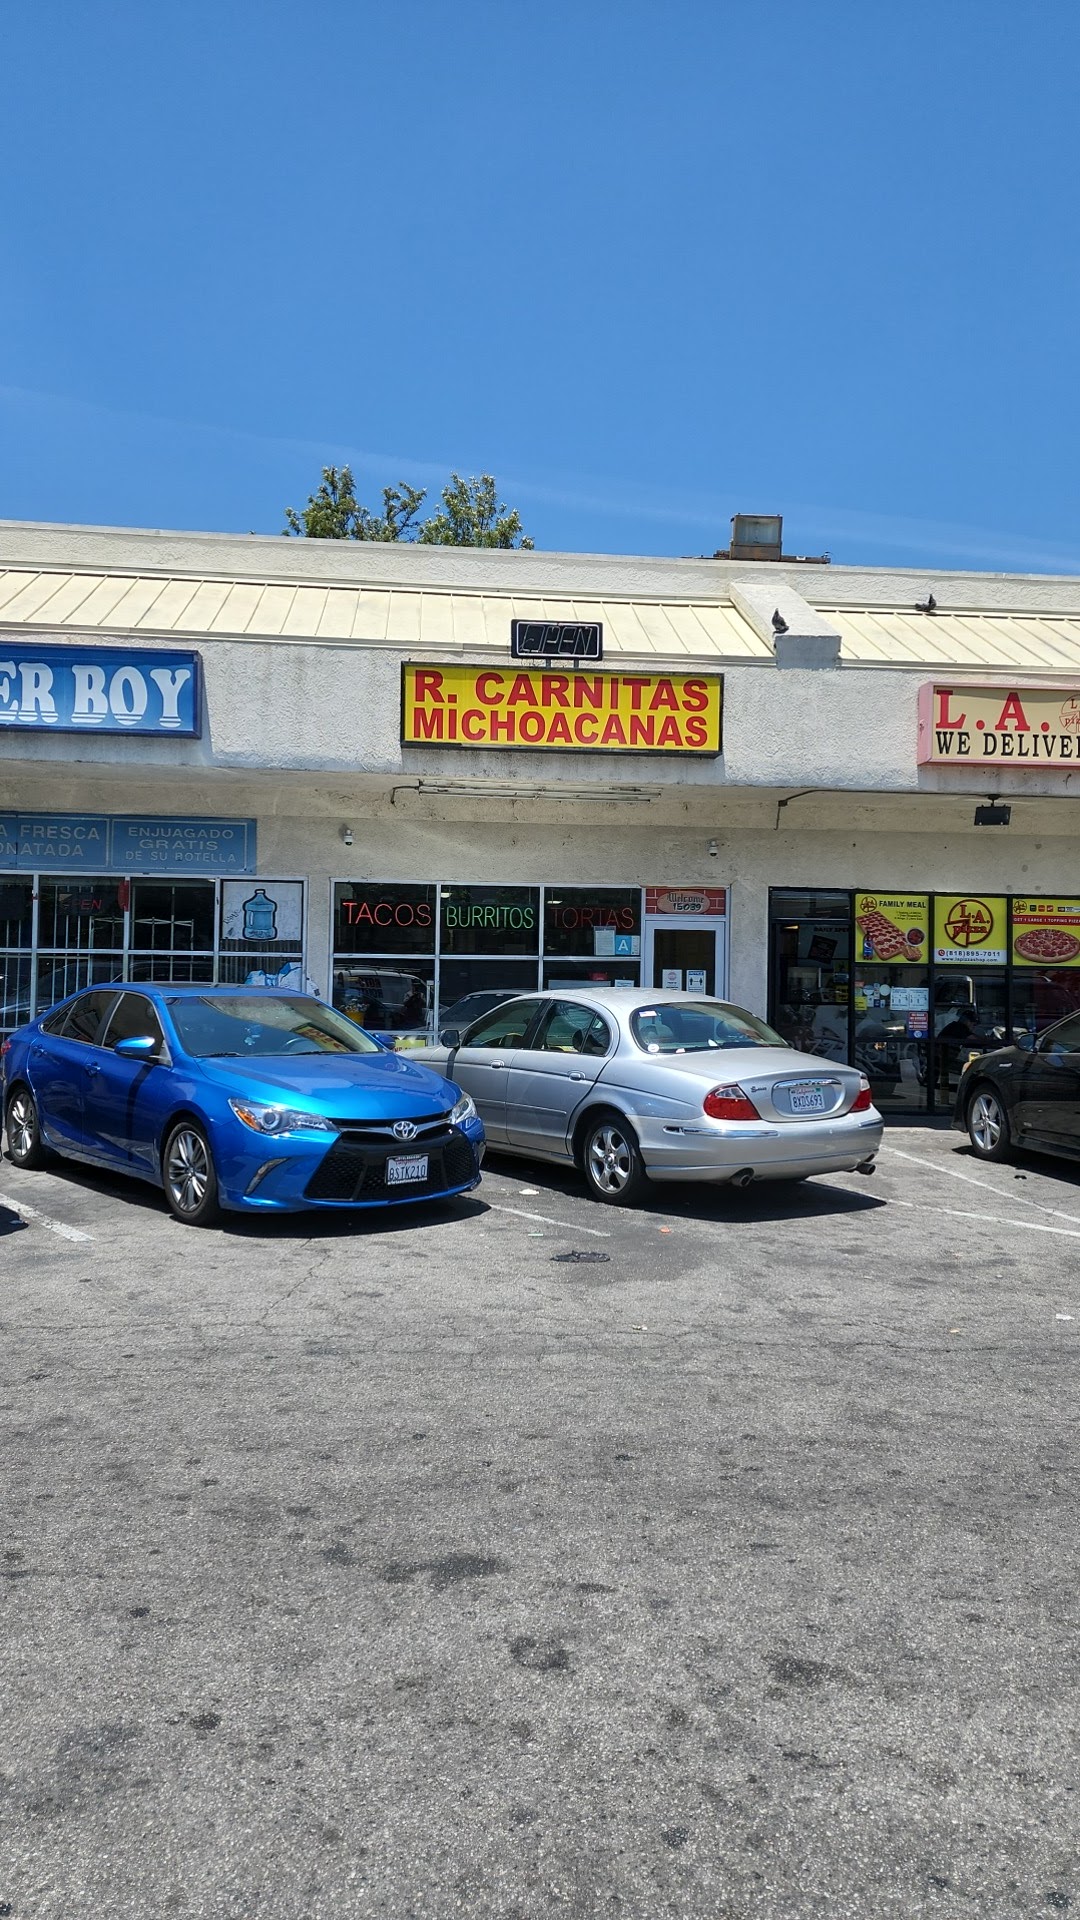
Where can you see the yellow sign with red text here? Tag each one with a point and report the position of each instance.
(988, 727)
(1046, 933)
(560, 712)
(969, 930)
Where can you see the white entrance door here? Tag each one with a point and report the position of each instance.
(686, 953)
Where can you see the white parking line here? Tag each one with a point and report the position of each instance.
(1016, 1199)
(987, 1219)
(597, 1232)
(45, 1220)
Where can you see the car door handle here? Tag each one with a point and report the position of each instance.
(92, 1067)
(577, 1076)
(496, 1063)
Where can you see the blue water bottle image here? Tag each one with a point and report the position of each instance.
(260, 917)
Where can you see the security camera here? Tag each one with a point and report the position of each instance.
(347, 836)
(712, 850)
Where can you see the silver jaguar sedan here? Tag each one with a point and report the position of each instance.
(633, 1086)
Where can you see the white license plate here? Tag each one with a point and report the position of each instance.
(807, 1099)
(405, 1167)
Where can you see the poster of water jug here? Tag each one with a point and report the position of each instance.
(262, 913)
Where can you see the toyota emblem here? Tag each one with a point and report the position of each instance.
(404, 1130)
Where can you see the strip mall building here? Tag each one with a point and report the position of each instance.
(414, 774)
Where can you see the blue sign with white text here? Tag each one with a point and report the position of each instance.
(111, 843)
(92, 689)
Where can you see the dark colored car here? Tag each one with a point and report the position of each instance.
(235, 1097)
(1024, 1096)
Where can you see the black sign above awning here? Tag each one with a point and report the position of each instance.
(556, 640)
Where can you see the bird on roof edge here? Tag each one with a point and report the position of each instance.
(929, 605)
(779, 624)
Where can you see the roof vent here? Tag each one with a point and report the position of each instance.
(756, 536)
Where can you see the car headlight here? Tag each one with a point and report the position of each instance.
(465, 1110)
(264, 1119)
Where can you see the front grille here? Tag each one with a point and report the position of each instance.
(355, 1170)
(384, 1129)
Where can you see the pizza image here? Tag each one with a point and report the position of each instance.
(1052, 945)
(889, 941)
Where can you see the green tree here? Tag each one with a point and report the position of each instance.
(335, 513)
(472, 514)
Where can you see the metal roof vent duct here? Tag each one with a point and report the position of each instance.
(756, 536)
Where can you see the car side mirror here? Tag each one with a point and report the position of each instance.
(138, 1047)
(450, 1037)
(1026, 1043)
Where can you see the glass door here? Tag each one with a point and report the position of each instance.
(684, 957)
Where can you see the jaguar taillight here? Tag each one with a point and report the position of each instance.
(862, 1098)
(730, 1103)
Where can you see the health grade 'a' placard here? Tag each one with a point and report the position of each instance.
(1046, 933)
(892, 927)
(969, 930)
(560, 712)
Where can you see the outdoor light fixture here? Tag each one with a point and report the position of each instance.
(712, 849)
(993, 815)
(346, 834)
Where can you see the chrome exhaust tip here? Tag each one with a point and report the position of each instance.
(743, 1177)
(867, 1167)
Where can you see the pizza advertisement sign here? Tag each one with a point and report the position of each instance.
(893, 928)
(1046, 933)
(969, 930)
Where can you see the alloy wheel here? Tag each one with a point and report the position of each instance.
(22, 1125)
(985, 1122)
(187, 1170)
(611, 1161)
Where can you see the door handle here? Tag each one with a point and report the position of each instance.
(577, 1076)
(92, 1067)
(496, 1063)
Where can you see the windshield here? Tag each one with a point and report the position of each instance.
(244, 1026)
(698, 1026)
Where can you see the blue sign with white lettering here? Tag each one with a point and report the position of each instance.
(103, 843)
(90, 689)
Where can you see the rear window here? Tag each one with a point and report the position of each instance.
(698, 1026)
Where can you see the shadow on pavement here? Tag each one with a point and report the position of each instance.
(764, 1200)
(10, 1222)
(402, 1216)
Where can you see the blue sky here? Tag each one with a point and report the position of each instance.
(647, 263)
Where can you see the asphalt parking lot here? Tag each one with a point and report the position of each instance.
(408, 1567)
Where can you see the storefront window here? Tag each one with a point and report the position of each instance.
(384, 957)
(16, 912)
(171, 934)
(592, 936)
(373, 918)
(1045, 951)
(892, 996)
(77, 915)
(592, 921)
(592, 973)
(490, 920)
(60, 934)
(811, 970)
(390, 997)
(476, 979)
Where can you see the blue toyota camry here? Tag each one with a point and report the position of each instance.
(234, 1097)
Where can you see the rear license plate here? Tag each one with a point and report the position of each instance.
(405, 1167)
(808, 1099)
